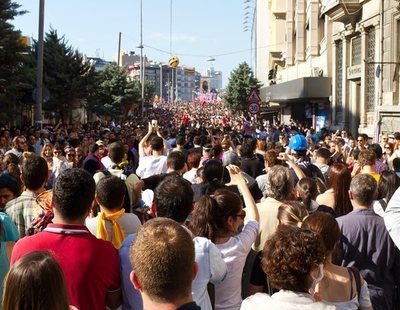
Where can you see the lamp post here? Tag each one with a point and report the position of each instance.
(39, 73)
(142, 69)
(253, 37)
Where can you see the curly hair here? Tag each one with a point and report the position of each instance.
(289, 256)
(271, 158)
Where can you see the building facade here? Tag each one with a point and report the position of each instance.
(337, 58)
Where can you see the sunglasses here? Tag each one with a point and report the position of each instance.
(361, 140)
(70, 155)
(57, 152)
(242, 215)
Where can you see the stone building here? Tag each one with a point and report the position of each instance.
(333, 63)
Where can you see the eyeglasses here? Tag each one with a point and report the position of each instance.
(70, 155)
(242, 215)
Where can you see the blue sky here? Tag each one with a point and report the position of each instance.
(204, 28)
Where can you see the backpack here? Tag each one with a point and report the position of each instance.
(311, 170)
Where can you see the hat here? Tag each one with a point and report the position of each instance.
(100, 142)
(298, 143)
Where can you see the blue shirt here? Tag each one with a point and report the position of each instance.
(131, 297)
(367, 246)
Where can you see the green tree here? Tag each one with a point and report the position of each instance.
(148, 92)
(114, 94)
(241, 82)
(67, 76)
(16, 69)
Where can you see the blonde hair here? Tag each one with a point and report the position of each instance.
(292, 213)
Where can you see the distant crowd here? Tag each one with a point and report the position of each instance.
(191, 207)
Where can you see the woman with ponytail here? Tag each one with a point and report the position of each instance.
(219, 217)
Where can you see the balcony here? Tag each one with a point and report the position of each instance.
(345, 11)
(278, 8)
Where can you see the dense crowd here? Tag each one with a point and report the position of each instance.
(192, 207)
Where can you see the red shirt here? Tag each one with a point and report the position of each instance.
(91, 266)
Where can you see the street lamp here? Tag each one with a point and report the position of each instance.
(142, 69)
(246, 23)
(39, 73)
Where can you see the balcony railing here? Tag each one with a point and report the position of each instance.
(345, 11)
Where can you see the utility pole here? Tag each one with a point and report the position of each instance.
(142, 68)
(161, 83)
(39, 73)
(119, 48)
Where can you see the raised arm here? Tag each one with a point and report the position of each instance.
(292, 164)
(144, 140)
(164, 141)
(238, 180)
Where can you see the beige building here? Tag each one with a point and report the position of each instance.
(328, 62)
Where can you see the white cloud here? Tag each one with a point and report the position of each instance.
(176, 37)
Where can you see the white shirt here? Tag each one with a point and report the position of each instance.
(212, 268)
(150, 165)
(392, 217)
(106, 161)
(190, 175)
(284, 300)
(129, 222)
(228, 295)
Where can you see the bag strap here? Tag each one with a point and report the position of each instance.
(357, 277)
(106, 173)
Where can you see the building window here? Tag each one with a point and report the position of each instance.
(356, 51)
(339, 81)
(370, 83)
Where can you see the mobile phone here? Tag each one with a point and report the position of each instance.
(154, 122)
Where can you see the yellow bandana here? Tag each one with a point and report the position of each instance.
(118, 235)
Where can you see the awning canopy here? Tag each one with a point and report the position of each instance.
(298, 90)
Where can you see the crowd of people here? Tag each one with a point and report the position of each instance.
(191, 207)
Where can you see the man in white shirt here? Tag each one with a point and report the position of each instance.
(155, 163)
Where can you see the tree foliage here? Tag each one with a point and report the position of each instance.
(16, 68)
(241, 82)
(114, 93)
(67, 76)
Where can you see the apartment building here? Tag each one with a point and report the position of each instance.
(333, 63)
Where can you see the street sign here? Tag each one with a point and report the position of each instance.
(254, 108)
(254, 97)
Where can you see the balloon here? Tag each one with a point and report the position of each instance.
(174, 61)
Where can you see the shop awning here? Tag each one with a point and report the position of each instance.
(298, 90)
